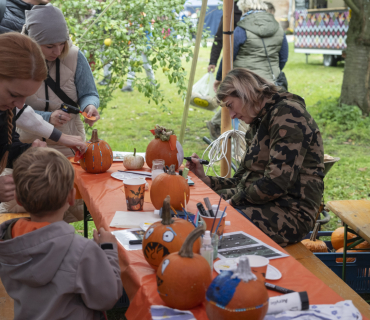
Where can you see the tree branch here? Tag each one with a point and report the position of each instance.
(351, 4)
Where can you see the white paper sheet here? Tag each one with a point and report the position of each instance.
(124, 236)
(132, 219)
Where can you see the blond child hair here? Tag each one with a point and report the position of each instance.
(43, 179)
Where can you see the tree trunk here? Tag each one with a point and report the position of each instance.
(356, 79)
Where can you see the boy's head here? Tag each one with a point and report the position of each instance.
(43, 180)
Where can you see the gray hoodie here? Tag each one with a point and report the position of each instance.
(52, 273)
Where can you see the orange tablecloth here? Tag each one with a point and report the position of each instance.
(103, 198)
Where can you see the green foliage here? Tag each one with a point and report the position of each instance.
(341, 122)
(135, 27)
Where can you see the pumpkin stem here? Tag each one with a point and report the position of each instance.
(186, 250)
(171, 171)
(314, 232)
(243, 271)
(134, 152)
(94, 136)
(166, 212)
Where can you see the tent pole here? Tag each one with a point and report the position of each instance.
(193, 69)
(227, 65)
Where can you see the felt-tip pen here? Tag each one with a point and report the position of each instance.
(201, 161)
(139, 241)
(277, 288)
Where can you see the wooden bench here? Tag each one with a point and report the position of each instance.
(320, 270)
(7, 303)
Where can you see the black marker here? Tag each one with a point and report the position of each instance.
(139, 241)
(201, 161)
(277, 288)
(201, 209)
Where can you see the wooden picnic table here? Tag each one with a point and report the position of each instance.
(103, 197)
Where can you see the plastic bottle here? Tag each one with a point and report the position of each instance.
(207, 249)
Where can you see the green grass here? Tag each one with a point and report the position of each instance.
(126, 122)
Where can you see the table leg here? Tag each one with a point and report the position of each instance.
(87, 218)
(344, 253)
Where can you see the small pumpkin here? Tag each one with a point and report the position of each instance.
(166, 236)
(133, 162)
(337, 238)
(164, 146)
(237, 295)
(183, 277)
(169, 184)
(99, 156)
(313, 244)
(347, 259)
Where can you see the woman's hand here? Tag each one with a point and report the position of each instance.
(38, 144)
(195, 167)
(216, 84)
(59, 117)
(74, 142)
(211, 68)
(91, 112)
(7, 188)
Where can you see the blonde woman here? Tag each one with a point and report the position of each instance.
(279, 183)
(69, 81)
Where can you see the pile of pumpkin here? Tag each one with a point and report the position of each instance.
(337, 241)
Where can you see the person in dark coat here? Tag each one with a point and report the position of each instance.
(14, 15)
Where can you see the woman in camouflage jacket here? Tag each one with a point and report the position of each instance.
(279, 184)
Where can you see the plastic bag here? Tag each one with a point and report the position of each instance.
(203, 95)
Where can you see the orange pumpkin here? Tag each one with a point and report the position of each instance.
(237, 295)
(166, 236)
(183, 277)
(99, 156)
(166, 147)
(169, 184)
(337, 238)
(347, 259)
(315, 245)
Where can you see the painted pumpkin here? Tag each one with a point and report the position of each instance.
(337, 238)
(237, 295)
(99, 156)
(183, 277)
(313, 244)
(347, 259)
(133, 162)
(166, 236)
(169, 184)
(166, 147)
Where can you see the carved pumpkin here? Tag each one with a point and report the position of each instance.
(169, 184)
(337, 238)
(347, 259)
(183, 277)
(166, 236)
(133, 162)
(237, 295)
(166, 147)
(315, 245)
(99, 156)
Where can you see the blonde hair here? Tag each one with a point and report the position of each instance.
(65, 50)
(246, 85)
(246, 5)
(43, 179)
(22, 58)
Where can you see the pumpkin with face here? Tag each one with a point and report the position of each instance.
(166, 236)
(183, 277)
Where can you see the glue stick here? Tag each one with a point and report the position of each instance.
(206, 250)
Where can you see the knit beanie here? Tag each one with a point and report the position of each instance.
(46, 25)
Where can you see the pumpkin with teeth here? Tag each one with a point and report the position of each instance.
(166, 236)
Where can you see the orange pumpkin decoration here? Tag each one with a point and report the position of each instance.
(169, 184)
(237, 295)
(99, 156)
(183, 277)
(347, 259)
(315, 245)
(166, 236)
(337, 238)
(166, 147)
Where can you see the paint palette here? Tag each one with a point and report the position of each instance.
(88, 118)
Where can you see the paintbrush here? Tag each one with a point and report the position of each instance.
(218, 207)
(220, 219)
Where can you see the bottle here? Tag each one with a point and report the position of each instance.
(206, 250)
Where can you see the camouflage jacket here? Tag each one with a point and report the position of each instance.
(283, 163)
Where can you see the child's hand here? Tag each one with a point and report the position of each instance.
(104, 236)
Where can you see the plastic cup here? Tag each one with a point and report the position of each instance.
(209, 222)
(258, 266)
(157, 167)
(134, 193)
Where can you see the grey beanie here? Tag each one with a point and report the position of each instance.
(46, 25)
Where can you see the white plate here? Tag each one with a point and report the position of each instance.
(124, 176)
(232, 263)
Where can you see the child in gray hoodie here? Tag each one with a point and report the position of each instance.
(49, 271)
